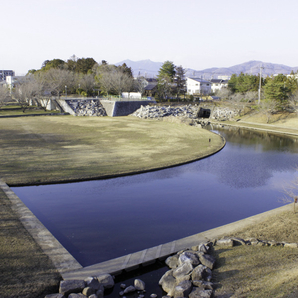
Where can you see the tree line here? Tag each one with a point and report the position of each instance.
(86, 77)
(272, 93)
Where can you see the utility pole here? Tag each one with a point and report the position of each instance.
(260, 84)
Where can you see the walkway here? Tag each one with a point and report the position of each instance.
(260, 127)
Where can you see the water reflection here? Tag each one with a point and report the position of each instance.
(100, 220)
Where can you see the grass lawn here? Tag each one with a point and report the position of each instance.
(53, 148)
(260, 271)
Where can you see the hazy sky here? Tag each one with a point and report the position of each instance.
(193, 33)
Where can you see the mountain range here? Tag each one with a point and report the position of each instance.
(150, 69)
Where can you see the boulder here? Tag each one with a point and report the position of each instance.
(183, 289)
(291, 245)
(225, 242)
(238, 241)
(168, 282)
(129, 289)
(202, 284)
(76, 295)
(172, 262)
(106, 280)
(93, 283)
(199, 273)
(71, 286)
(100, 293)
(207, 260)
(88, 291)
(203, 248)
(182, 270)
(200, 293)
(190, 257)
(139, 285)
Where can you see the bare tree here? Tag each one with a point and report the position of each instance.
(139, 84)
(115, 81)
(268, 107)
(224, 93)
(26, 90)
(86, 82)
(56, 81)
(4, 95)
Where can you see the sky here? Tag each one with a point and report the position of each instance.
(192, 33)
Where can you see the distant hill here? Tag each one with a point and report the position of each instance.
(150, 69)
(146, 68)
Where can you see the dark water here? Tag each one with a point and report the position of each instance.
(100, 220)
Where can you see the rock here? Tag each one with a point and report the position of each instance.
(172, 262)
(209, 274)
(203, 248)
(199, 293)
(290, 245)
(106, 280)
(199, 273)
(182, 270)
(183, 112)
(93, 296)
(129, 289)
(225, 242)
(153, 296)
(139, 285)
(238, 241)
(183, 289)
(274, 243)
(57, 295)
(207, 260)
(168, 282)
(71, 286)
(76, 295)
(93, 283)
(203, 284)
(88, 291)
(123, 286)
(189, 257)
(100, 293)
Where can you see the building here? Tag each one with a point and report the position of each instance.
(5, 73)
(217, 84)
(198, 86)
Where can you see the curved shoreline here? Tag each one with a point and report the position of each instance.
(132, 173)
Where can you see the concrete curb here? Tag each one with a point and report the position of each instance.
(61, 258)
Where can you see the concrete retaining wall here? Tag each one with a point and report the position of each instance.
(113, 108)
(124, 108)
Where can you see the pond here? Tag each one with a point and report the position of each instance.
(104, 219)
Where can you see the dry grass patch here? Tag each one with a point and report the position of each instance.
(25, 271)
(49, 149)
(255, 271)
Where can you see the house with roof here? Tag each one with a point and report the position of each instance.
(217, 84)
(198, 86)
